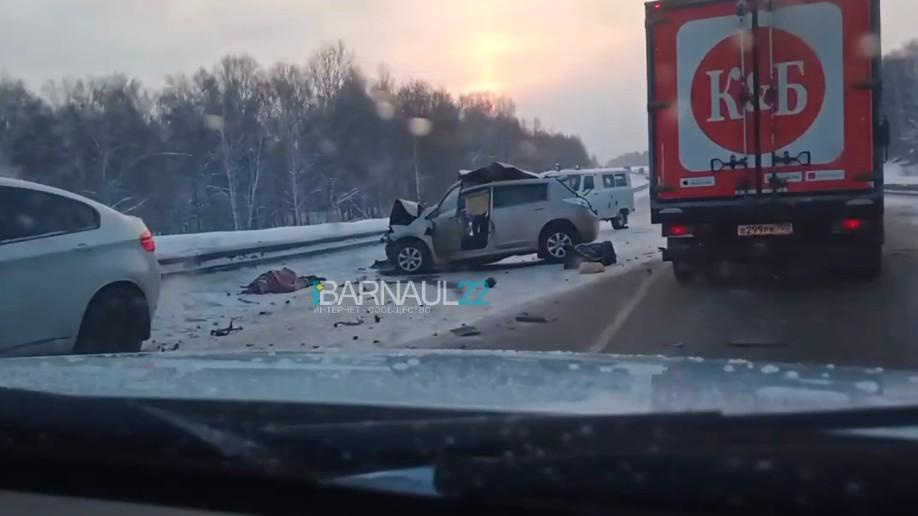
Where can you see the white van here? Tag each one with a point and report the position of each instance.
(608, 190)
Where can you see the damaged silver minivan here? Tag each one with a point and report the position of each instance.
(490, 214)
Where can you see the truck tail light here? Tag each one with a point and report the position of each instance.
(677, 230)
(850, 225)
(147, 242)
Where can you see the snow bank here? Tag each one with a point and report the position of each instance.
(901, 174)
(173, 246)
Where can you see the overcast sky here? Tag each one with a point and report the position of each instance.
(578, 65)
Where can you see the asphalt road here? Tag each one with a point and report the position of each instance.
(810, 317)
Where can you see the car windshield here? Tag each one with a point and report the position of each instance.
(268, 202)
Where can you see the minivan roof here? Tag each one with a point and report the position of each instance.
(579, 171)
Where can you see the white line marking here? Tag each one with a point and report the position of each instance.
(601, 343)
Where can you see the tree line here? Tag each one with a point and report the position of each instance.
(900, 101)
(239, 146)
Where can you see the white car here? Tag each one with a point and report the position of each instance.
(608, 190)
(75, 275)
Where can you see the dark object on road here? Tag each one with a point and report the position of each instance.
(527, 317)
(264, 312)
(380, 264)
(223, 332)
(757, 343)
(376, 318)
(490, 282)
(281, 281)
(465, 331)
(246, 301)
(356, 322)
(603, 252)
(572, 258)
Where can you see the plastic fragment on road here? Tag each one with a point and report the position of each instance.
(527, 317)
(223, 332)
(465, 331)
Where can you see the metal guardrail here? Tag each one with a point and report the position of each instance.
(196, 264)
(901, 189)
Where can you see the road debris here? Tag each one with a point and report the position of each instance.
(744, 342)
(280, 281)
(490, 282)
(465, 331)
(247, 301)
(356, 322)
(602, 252)
(527, 317)
(591, 268)
(223, 332)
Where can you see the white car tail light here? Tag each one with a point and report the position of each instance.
(147, 242)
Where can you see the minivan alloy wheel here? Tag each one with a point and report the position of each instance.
(410, 259)
(557, 242)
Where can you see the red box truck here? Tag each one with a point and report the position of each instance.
(766, 141)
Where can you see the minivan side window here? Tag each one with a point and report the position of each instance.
(505, 196)
(621, 180)
(588, 183)
(608, 181)
(26, 214)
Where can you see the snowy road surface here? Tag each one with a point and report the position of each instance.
(192, 306)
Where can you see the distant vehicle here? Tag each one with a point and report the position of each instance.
(77, 276)
(490, 214)
(766, 139)
(607, 189)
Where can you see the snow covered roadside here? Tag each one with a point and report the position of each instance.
(898, 174)
(193, 306)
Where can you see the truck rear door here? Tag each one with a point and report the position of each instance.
(759, 97)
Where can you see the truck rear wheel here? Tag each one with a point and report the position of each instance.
(870, 267)
(683, 272)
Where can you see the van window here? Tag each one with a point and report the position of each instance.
(608, 181)
(620, 180)
(573, 182)
(27, 213)
(505, 196)
(588, 183)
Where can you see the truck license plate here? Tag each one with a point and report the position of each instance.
(765, 229)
